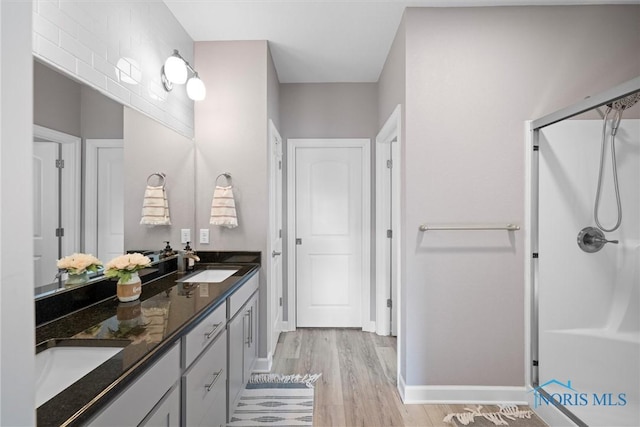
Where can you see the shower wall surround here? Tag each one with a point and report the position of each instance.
(589, 303)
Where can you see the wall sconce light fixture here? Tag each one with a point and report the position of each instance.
(176, 70)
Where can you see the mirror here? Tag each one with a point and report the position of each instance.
(92, 158)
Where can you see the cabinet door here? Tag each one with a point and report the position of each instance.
(167, 412)
(204, 387)
(237, 331)
(251, 338)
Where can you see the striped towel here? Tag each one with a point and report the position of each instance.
(223, 208)
(155, 207)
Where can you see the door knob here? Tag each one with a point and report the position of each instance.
(275, 254)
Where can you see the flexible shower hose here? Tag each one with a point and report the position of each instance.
(615, 175)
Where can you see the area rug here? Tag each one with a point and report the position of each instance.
(500, 415)
(276, 400)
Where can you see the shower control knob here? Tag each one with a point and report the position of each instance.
(591, 239)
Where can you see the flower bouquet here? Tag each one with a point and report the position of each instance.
(125, 268)
(79, 263)
(78, 267)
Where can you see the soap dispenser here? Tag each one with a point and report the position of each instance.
(191, 257)
(168, 250)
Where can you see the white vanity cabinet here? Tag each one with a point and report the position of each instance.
(142, 397)
(204, 379)
(204, 387)
(243, 343)
(167, 412)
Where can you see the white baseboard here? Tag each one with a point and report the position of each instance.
(284, 326)
(263, 364)
(549, 413)
(369, 326)
(443, 394)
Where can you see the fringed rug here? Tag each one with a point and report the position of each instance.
(276, 400)
(502, 415)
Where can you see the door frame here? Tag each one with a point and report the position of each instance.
(274, 321)
(90, 238)
(71, 190)
(365, 145)
(390, 133)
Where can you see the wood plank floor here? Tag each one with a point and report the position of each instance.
(358, 382)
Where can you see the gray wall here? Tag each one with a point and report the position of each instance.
(56, 100)
(149, 147)
(473, 76)
(328, 110)
(231, 136)
(65, 105)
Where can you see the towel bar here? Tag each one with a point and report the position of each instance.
(508, 227)
(160, 175)
(227, 175)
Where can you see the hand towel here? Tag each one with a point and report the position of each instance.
(223, 208)
(155, 207)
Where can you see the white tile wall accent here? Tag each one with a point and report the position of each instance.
(117, 48)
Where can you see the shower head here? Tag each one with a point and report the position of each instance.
(620, 105)
(626, 102)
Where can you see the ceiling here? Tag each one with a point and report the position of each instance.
(318, 40)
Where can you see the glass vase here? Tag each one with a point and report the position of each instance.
(76, 279)
(131, 289)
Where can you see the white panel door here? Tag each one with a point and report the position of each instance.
(110, 204)
(45, 208)
(329, 233)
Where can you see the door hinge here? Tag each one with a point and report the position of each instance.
(59, 232)
(389, 164)
(535, 363)
(280, 164)
(280, 301)
(298, 241)
(59, 163)
(535, 254)
(536, 147)
(280, 233)
(389, 303)
(389, 234)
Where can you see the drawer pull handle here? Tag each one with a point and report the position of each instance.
(215, 379)
(208, 335)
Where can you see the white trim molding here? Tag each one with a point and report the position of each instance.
(292, 145)
(263, 364)
(454, 394)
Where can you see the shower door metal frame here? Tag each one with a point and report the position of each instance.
(533, 130)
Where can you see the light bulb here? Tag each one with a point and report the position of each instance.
(175, 69)
(196, 89)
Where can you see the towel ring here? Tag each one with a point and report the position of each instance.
(227, 175)
(160, 175)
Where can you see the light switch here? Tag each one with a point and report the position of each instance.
(185, 235)
(204, 236)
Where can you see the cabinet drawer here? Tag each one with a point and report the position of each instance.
(204, 334)
(133, 404)
(241, 296)
(204, 384)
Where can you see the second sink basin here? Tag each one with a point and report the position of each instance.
(59, 367)
(209, 276)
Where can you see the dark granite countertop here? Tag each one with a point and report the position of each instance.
(164, 313)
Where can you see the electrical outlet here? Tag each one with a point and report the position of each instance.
(185, 235)
(204, 236)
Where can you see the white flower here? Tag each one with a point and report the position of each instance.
(123, 265)
(79, 263)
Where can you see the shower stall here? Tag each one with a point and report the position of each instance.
(584, 273)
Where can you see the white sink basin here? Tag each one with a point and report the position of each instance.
(209, 276)
(59, 367)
